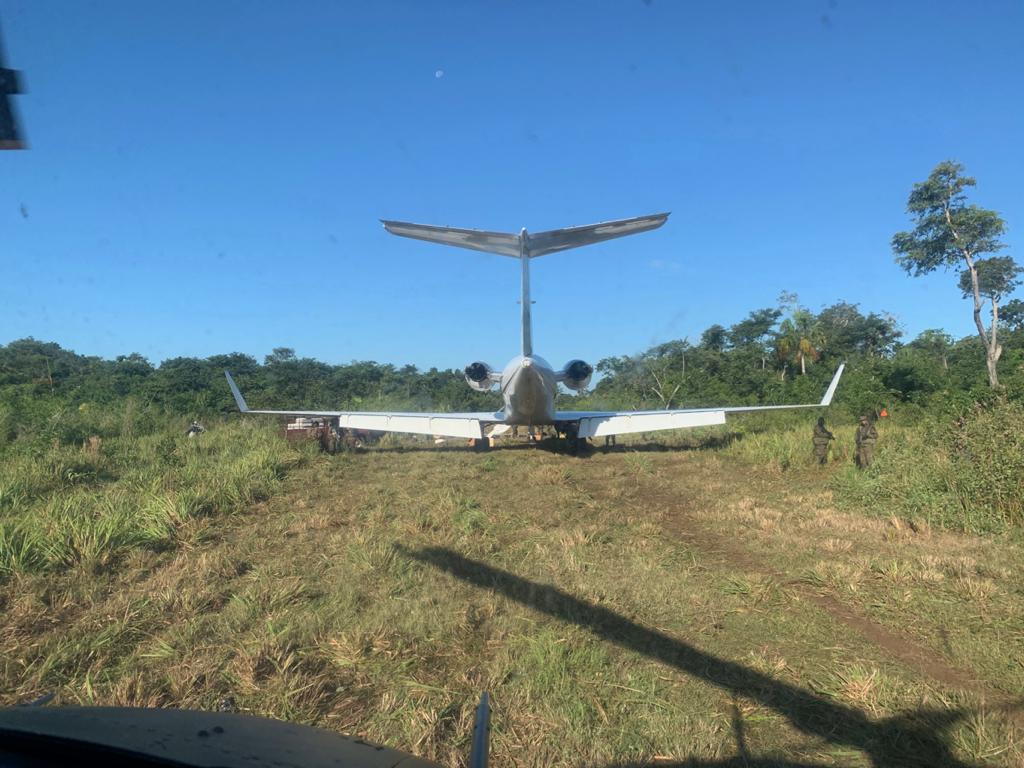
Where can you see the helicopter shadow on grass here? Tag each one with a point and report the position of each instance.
(914, 738)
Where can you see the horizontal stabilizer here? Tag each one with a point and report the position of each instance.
(476, 239)
(532, 245)
(573, 237)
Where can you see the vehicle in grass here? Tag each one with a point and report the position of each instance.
(325, 431)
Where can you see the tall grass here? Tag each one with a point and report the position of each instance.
(400, 585)
(963, 472)
(785, 447)
(81, 507)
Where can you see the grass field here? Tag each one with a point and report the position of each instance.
(712, 601)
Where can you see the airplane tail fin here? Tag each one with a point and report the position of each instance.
(525, 246)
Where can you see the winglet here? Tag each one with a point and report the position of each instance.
(827, 399)
(238, 395)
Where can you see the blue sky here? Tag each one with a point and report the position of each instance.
(208, 177)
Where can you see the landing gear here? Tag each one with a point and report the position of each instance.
(576, 444)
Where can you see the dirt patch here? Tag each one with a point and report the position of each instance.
(676, 519)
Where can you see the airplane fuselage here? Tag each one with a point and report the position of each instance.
(528, 387)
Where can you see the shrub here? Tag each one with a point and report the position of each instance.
(71, 507)
(964, 472)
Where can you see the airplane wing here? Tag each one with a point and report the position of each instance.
(533, 245)
(469, 425)
(601, 423)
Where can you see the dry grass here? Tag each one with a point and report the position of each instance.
(629, 607)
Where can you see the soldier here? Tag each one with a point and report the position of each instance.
(865, 439)
(194, 429)
(821, 440)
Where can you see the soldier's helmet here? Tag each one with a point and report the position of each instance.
(863, 419)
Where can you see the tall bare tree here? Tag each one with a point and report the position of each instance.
(993, 278)
(950, 233)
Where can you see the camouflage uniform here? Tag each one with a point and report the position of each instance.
(866, 437)
(821, 440)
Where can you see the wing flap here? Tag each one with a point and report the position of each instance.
(448, 425)
(626, 423)
(469, 425)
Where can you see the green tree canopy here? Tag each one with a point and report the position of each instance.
(950, 232)
(714, 338)
(844, 330)
(947, 227)
(1013, 314)
(755, 328)
(998, 276)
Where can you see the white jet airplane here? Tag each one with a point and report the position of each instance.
(528, 384)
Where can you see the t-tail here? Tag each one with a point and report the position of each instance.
(524, 298)
(525, 246)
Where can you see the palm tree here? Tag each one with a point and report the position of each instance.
(799, 338)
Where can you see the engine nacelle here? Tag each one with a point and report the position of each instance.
(576, 374)
(480, 376)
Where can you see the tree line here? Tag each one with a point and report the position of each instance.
(776, 354)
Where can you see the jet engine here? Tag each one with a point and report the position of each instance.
(576, 374)
(480, 376)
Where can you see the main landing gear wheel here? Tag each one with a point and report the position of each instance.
(576, 444)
